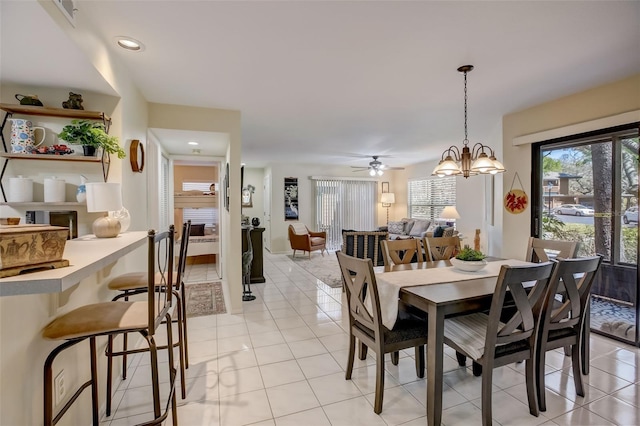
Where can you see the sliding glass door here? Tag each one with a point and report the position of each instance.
(587, 191)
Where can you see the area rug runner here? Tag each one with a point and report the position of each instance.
(325, 268)
(204, 299)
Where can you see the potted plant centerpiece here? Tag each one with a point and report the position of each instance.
(91, 135)
(469, 260)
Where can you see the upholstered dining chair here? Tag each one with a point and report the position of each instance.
(509, 341)
(133, 283)
(301, 238)
(112, 318)
(400, 252)
(365, 324)
(441, 248)
(562, 326)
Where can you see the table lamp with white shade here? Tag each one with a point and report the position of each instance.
(104, 197)
(451, 214)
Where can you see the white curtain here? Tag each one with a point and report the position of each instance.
(344, 204)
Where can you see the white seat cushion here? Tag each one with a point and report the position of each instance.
(469, 332)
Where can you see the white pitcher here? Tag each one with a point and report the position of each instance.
(23, 136)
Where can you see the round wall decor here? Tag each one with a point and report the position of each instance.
(136, 156)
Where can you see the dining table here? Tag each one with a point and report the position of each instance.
(440, 291)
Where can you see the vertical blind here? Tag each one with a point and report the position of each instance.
(427, 197)
(344, 204)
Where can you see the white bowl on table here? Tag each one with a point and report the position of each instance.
(468, 265)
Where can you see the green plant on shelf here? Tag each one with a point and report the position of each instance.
(469, 254)
(91, 133)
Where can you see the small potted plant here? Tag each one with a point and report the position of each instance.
(91, 135)
(469, 260)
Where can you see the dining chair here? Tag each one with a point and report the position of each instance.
(509, 341)
(441, 248)
(112, 318)
(133, 283)
(400, 252)
(365, 323)
(538, 250)
(562, 326)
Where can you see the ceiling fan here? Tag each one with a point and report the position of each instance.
(375, 167)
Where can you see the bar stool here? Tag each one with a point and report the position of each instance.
(112, 318)
(133, 283)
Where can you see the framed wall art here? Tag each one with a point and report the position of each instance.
(291, 198)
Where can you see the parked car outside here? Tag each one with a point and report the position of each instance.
(631, 215)
(574, 209)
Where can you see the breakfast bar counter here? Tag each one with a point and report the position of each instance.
(86, 255)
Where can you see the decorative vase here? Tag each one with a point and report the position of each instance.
(255, 221)
(89, 151)
(81, 192)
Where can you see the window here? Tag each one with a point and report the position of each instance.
(427, 197)
(206, 215)
(344, 204)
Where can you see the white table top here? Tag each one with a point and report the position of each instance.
(86, 255)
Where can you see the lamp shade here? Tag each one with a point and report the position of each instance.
(388, 198)
(103, 197)
(450, 212)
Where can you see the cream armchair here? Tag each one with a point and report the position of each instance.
(302, 239)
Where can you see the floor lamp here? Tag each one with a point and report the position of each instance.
(387, 198)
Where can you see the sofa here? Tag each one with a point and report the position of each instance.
(417, 228)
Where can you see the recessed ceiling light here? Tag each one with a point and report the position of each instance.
(129, 43)
(192, 143)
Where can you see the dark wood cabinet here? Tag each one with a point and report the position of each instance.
(257, 275)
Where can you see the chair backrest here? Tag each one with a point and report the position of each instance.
(441, 248)
(521, 323)
(538, 250)
(574, 277)
(160, 272)
(359, 279)
(182, 255)
(364, 245)
(396, 252)
(298, 228)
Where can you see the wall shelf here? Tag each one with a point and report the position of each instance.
(42, 204)
(10, 109)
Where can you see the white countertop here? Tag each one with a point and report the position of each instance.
(86, 255)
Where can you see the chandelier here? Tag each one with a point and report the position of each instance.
(480, 159)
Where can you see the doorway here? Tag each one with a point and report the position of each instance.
(586, 190)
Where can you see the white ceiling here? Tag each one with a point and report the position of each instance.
(328, 82)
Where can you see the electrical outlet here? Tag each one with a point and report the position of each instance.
(59, 387)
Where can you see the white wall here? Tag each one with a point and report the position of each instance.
(604, 101)
(22, 350)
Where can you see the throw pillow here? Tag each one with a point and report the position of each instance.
(419, 228)
(395, 227)
(197, 230)
(408, 224)
(448, 232)
(438, 232)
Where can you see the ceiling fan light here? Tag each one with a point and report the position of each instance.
(372, 172)
(379, 172)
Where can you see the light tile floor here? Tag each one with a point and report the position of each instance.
(282, 363)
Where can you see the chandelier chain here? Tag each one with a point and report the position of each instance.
(466, 140)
